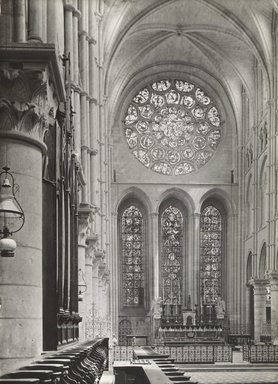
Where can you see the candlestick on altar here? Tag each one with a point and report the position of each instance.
(171, 291)
(163, 293)
(179, 287)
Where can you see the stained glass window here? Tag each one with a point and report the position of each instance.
(211, 255)
(171, 255)
(172, 127)
(132, 230)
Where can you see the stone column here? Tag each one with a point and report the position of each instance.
(99, 257)
(84, 143)
(83, 232)
(273, 279)
(195, 262)
(6, 23)
(90, 258)
(35, 20)
(115, 278)
(75, 75)
(19, 21)
(69, 34)
(22, 128)
(155, 257)
(259, 306)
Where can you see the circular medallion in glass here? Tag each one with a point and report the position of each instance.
(172, 127)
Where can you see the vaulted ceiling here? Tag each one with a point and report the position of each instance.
(224, 39)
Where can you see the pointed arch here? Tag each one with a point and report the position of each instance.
(220, 196)
(263, 193)
(172, 229)
(262, 263)
(180, 195)
(132, 233)
(249, 206)
(212, 250)
(249, 272)
(136, 194)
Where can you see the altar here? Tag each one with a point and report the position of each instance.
(182, 334)
(178, 325)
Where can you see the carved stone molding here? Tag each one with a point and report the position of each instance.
(91, 242)
(99, 255)
(31, 88)
(79, 169)
(103, 272)
(26, 118)
(259, 285)
(272, 276)
(84, 223)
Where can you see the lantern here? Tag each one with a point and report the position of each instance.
(11, 214)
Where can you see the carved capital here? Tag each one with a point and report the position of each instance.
(28, 96)
(84, 223)
(259, 285)
(103, 272)
(99, 255)
(91, 242)
(272, 276)
(25, 118)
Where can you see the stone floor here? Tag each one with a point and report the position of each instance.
(237, 372)
(234, 376)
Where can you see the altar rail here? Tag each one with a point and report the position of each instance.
(185, 354)
(260, 353)
(83, 363)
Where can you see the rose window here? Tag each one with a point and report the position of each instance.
(172, 127)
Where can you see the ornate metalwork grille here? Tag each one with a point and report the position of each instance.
(171, 255)
(172, 127)
(211, 255)
(132, 257)
(125, 328)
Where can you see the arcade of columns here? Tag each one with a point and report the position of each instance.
(32, 88)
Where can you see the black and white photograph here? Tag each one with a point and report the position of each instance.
(138, 191)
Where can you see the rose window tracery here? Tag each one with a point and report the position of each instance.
(172, 127)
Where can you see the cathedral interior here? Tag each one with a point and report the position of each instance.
(138, 160)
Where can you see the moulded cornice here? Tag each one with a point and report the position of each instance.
(36, 56)
(31, 89)
(271, 275)
(258, 284)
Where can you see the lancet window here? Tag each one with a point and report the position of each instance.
(211, 232)
(132, 244)
(172, 243)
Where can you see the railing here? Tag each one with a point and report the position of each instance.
(184, 354)
(260, 353)
(81, 363)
